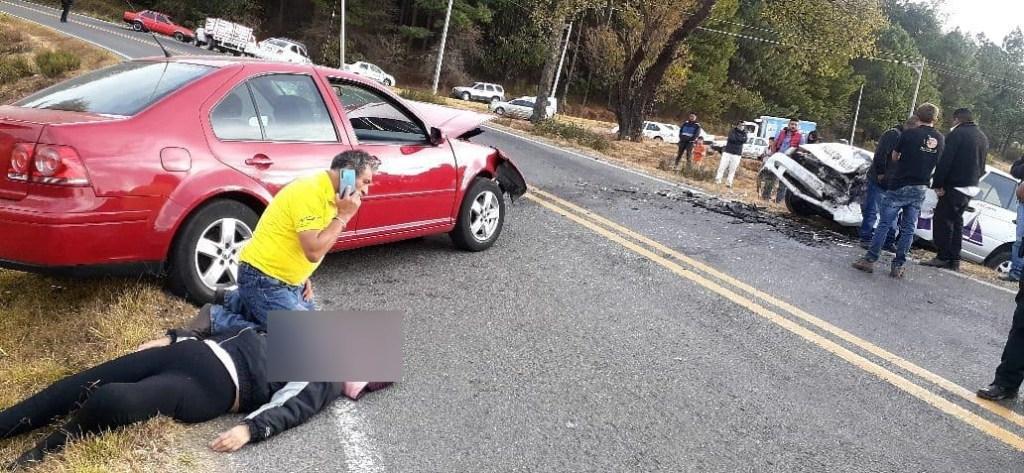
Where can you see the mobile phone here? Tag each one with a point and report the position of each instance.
(347, 184)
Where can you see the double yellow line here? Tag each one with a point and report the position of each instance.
(759, 303)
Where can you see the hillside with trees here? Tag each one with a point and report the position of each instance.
(628, 60)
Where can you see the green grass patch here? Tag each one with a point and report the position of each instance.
(13, 68)
(56, 63)
(572, 132)
(421, 96)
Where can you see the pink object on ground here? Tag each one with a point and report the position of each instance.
(355, 389)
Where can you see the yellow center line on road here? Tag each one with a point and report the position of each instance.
(949, 386)
(939, 402)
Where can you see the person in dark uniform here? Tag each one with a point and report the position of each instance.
(955, 182)
(65, 6)
(1010, 372)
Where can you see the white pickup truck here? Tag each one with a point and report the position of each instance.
(222, 35)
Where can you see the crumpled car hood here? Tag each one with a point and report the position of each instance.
(845, 159)
(454, 123)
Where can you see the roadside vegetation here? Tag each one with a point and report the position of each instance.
(33, 57)
(422, 96)
(51, 327)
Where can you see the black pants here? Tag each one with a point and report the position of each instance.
(685, 146)
(949, 224)
(185, 381)
(1010, 372)
(65, 8)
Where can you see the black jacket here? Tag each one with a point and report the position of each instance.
(1017, 169)
(919, 148)
(963, 161)
(734, 143)
(273, 406)
(883, 153)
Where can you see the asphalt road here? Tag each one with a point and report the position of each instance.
(726, 342)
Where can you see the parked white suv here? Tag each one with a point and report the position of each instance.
(522, 107)
(483, 91)
(829, 179)
(755, 147)
(371, 71)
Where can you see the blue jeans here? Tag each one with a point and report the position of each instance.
(257, 295)
(907, 199)
(869, 212)
(1017, 262)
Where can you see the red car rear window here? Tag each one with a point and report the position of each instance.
(123, 89)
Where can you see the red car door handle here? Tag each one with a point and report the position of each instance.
(260, 161)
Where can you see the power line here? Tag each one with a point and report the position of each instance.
(895, 58)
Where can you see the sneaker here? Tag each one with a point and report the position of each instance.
(864, 265)
(897, 272)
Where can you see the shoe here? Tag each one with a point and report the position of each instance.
(897, 272)
(864, 265)
(219, 295)
(937, 263)
(201, 324)
(995, 392)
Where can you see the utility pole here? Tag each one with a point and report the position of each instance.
(561, 60)
(572, 65)
(440, 52)
(856, 115)
(917, 88)
(341, 54)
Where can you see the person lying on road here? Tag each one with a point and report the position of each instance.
(190, 380)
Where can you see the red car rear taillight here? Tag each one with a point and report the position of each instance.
(21, 159)
(59, 165)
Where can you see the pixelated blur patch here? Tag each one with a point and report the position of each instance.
(334, 346)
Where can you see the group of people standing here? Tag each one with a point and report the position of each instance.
(910, 159)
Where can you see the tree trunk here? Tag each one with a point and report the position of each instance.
(635, 94)
(547, 75)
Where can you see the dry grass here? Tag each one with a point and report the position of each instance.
(21, 40)
(52, 327)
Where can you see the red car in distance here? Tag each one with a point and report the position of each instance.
(148, 20)
(164, 166)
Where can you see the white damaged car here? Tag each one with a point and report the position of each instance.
(830, 179)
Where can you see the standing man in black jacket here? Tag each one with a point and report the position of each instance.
(955, 182)
(732, 154)
(876, 185)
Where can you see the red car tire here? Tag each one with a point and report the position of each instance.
(481, 216)
(189, 261)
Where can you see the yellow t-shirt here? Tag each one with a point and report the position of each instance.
(305, 204)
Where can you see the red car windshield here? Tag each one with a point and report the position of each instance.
(123, 89)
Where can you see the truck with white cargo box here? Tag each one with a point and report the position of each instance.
(222, 35)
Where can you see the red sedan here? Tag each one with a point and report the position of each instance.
(164, 166)
(148, 20)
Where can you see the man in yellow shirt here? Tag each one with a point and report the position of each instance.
(301, 224)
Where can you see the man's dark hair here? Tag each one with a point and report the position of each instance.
(791, 120)
(693, 114)
(358, 161)
(927, 112)
(964, 115)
